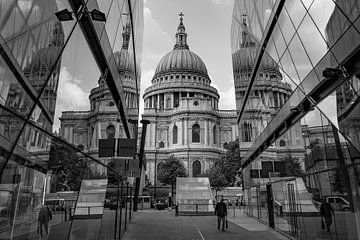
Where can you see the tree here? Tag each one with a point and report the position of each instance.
(292, 166)
(170, 170)
(67, 167)
(216, 177)
(231, 163)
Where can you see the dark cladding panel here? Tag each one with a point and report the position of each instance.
(106, 147)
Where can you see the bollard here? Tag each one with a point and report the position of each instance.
(176, 210)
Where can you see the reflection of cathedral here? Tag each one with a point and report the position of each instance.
(268, 94)
(85, 128)
(183, 110)
(36, 70)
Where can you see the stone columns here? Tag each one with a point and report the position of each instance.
(153, 131)
(180, 132)
(206, 132)
(233, 131)
(186, 130)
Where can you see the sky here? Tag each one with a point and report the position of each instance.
(207, 23)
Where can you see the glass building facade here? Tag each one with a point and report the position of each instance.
(310, 49)
(47, 67)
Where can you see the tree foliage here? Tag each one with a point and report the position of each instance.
(67, 168)
(224, 171)
(292, 166)
(216, 177)
(170, 170)
(230, 163)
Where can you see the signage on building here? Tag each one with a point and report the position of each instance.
(126, 147)
(106, 147)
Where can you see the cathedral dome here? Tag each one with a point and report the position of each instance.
(244, 60)
(180, 60)
(124, 61)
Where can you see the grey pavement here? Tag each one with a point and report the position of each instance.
(148, 225)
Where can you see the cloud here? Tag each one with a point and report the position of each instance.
(227, 97)
(146, 77)
(156, 40)
(223, 2)
(71, 97)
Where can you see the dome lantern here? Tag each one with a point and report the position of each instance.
(181, 35)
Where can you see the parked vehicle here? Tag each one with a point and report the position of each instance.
(338, 203)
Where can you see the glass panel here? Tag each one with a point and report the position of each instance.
(296, 11)
(286, 26)
(350, 8)
(300, 57)
(10, 127)
(22, 193)
(79, 80)
(312, 40)
(321, 12)
(12, 94)
(342, 48)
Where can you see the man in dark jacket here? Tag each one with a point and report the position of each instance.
(221, 212)
(43, 220)
(326, 212)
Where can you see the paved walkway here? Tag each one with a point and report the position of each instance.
(149, 225)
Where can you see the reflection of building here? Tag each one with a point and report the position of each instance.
(85, 128)
(346, 95)
(319, 57)
(322, 154)
(269, 93)
(183, 110)
(31, 47)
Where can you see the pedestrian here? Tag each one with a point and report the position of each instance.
(327, 213)
(43, 220)
(221, 213)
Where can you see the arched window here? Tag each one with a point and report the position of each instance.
(175, 134)
(247, 132)
(110, 131)
(196, 133)
(196, 168)
(161, 144)
(214, 135)
(168, 103)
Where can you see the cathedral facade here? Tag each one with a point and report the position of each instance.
(182, 107)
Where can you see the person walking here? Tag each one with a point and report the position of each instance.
(221, 213)
(43, 220)
(327, 212)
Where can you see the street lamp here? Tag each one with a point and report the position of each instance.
(66, 15)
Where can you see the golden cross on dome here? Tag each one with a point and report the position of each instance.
(181, 16)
